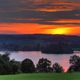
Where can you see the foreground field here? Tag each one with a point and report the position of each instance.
(42, 76)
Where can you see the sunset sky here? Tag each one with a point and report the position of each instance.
(40, 17)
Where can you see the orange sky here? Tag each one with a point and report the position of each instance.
(29, 28)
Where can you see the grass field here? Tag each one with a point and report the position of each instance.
(42, 76)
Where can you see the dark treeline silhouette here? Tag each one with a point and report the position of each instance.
(46, 43)
(43, 65)
(8, 66)
(57, 48)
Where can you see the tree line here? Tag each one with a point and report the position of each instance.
(8, 66)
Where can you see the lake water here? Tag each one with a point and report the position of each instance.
(62, 59)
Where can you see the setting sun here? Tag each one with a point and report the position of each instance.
(59, 31)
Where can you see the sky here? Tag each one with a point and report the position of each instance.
(40, 17)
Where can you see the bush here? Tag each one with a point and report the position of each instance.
(27, 66)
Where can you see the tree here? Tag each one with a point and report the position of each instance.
(5, 67)
(8, 66)
(27, 66)
(74, 60)
(6, 56)
(44, 65)
(57, 68)
(15, 66)
(73, 68)
(74, 64)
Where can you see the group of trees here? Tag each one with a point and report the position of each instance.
(8, 66)
(43, 65)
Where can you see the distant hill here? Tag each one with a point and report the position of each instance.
(51, 44)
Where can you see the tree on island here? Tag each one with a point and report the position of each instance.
(57, 48)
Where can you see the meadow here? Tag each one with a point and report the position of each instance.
(42, 76)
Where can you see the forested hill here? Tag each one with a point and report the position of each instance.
(40, 42)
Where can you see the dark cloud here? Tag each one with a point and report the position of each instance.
(21, 11)
(43, 17)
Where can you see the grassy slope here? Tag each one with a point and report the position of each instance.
(42, 76)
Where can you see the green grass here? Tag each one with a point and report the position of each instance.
(42, 76)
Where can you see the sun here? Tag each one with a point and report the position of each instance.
(59, 31)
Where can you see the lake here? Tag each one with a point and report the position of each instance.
(62, 59)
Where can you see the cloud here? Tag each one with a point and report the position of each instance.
(39, 11)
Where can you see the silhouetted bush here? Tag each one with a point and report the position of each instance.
(57, 68)
(44, 65)
(8, 66)
(15, 66)
(75, 64)
(27, 66)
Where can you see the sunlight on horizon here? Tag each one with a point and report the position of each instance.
(21, 28)
(59, 31)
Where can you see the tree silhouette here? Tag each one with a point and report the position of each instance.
(43, 65)
(57, 68)
(8, 66)
(75, 64)
(5, 67)
(74, 60)
(6, 56)
(15, 66)
(27, 66)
